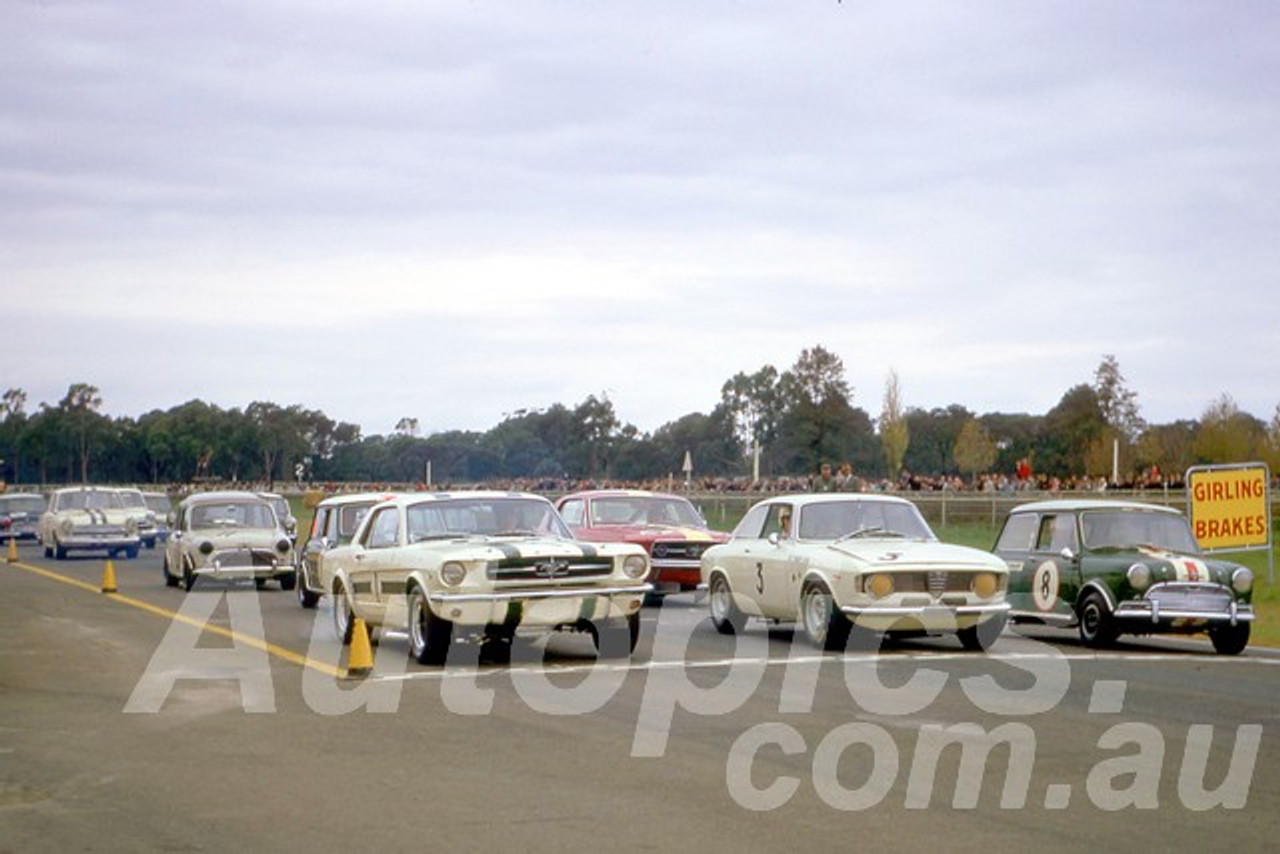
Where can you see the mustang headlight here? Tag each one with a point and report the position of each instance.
(985, 585)
(452, 573)
(1242, 580)
(635, 566)
(1139, 576)
(880, 585)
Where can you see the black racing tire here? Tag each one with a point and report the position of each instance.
(188, 577)
(307, 597)
(1097, 626)
(429, 635)
(824, 624)
(725, 614)
(1228, 639)
(131, 552)
(616, 639)
(343, 618)
(170, 580)
(288, 581)
(980, 637)
(59, 553)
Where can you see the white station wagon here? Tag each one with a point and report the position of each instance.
(487, 564)
(840, 562)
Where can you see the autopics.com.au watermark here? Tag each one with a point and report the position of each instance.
(1132, 760)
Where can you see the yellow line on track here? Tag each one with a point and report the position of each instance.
(257, 643)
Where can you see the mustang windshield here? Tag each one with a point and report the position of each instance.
(85, 499)
(484, 516)
(830, 520)
(1125, 529)
(644, 510)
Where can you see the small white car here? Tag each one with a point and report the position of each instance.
(134, 501)
(87, 518)
(487, 564)
(333, 525)
(229, 535)
(20, 515)
(159, 504)
(840, 563)
(284, 513)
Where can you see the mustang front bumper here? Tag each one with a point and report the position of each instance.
(553, 606)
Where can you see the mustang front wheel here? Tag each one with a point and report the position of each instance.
(429, 635)
(616, 641)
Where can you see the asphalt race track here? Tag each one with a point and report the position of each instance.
(157, 720)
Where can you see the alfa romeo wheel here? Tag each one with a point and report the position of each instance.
(725, 615)
(826, 627)
(980, 637)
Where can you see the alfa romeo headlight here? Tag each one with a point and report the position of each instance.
(452, 573)
(1242, 580)
(880, 585)
(985, 585)
(635, 566)
(1140, 576)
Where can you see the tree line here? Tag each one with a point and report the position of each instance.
(767, 424)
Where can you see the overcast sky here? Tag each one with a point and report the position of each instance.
(455, 210)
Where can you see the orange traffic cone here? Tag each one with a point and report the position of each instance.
(109, 577)
(13, 550)
(360, 658)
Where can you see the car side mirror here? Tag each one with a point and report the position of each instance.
(1067, 554)
(171, 518)
(774, 539)
(290, 525)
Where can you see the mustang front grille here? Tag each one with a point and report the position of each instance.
(548, 569)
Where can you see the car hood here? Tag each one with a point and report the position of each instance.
(890, 553)
(1174, 566)
(237, 538)
(498, 548)
(110, 516)
(651, 533)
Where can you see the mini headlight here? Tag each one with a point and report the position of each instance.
(282, 545)
(452, 573)
(1242, 580)
(635, 566)
(1140, 576)
(880, 585)
(985, 585)
(206, 548)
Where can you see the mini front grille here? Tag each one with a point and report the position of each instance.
(245, 557)
(1200, 599)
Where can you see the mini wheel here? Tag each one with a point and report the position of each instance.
(1097, 626)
